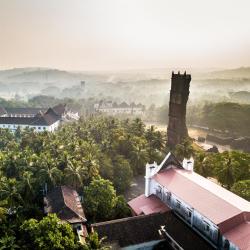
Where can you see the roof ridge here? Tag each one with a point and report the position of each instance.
(209, 182)
(66, 204)
(127, 219)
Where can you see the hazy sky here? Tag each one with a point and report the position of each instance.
(122, 34)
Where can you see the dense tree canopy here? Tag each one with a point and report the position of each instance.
(242, 188)
(231, 169)
(48, 234)
(98, 157)
(75, 155)
(99, 199)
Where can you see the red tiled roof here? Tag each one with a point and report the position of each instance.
(180, 182)
(59, 109)
(240, 235)
(147, 205)
(64, 201)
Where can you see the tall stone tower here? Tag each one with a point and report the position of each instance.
(177, 129)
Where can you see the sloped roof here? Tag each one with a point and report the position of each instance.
(210, 199)
(39, 120)
(45, 120)
(228, 211)
(59, 109)
(16, 120)
(123, 105)
(27, 111)
(65, 203)
(144, 228)
(147, 205)
(51, 111)
(2, 111)
(240, 235)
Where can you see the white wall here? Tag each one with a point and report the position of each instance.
(121, 110)
(37, 128)
(196, 220)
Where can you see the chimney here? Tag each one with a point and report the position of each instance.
(188, 164)
(149, 173)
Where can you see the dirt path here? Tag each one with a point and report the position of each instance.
(136, 188)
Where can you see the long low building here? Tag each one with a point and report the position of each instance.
(34, 118)
(216, 214)
(112, 108)
(148, 231)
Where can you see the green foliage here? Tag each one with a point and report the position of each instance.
(232, 117)
(8, 242)
(229, 168)
(121, 208)
(123, 173)
(204, 164)
(93, 242)
(99, 199)
(184, 150)
(74, 155)
(224, 116)
(48, 234)
(242, 188)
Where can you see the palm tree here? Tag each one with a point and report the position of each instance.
(9, 192)
(49, 173)
(204, 164)
(75, 174)
(225, 169)
(155, 141)
(139, 155)
(26, 186)
(3, 210)
(137, 127)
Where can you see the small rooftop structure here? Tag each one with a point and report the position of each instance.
(148, 205)
(65, 203)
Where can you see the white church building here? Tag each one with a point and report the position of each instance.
(216, 214)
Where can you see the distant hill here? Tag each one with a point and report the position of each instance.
(37, 75)
(240, 96)
(239, 73)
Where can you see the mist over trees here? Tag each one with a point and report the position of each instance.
(99, 155)
(145, 86)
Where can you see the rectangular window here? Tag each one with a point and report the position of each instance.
(168, 196)
(178, 204)
(158, 190)
(207, 226)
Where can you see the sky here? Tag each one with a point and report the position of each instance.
(124, 34)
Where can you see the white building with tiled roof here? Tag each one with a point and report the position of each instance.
(218, 215)
(112, 108)
(35, 118)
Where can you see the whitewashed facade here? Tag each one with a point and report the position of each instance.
(37, 128)
(115, 109)
(198, 222)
